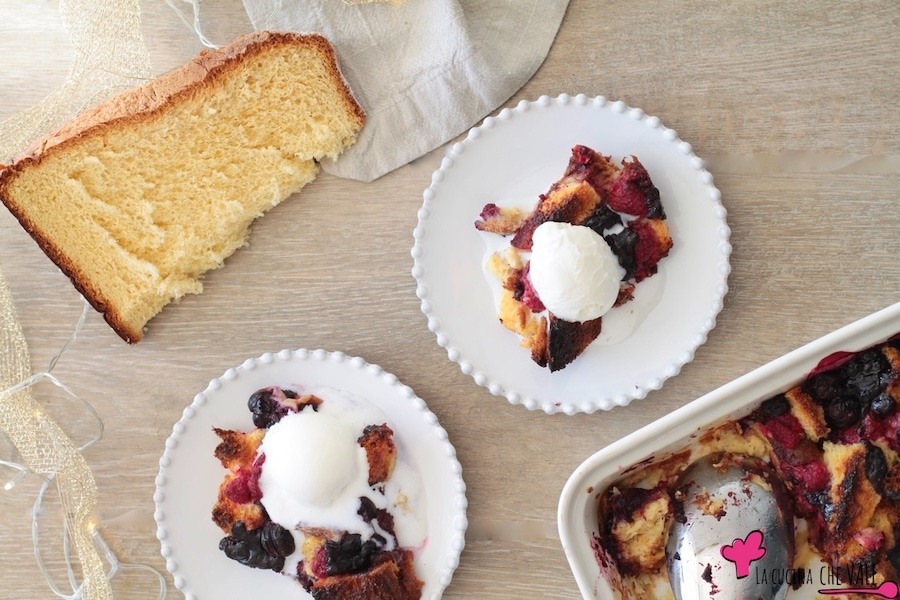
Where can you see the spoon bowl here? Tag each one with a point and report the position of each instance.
(733, 533)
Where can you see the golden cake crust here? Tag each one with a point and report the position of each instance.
(150, 101)
(159, 95)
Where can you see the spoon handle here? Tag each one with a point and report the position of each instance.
(887, 589)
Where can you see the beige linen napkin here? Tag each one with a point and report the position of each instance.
(423, 70)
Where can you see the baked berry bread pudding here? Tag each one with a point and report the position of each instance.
(597, 233)
(834, 441)
(312, 493)
(135, 199)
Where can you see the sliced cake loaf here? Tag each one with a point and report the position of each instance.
(136, 198)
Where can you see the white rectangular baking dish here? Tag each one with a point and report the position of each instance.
(577, 513)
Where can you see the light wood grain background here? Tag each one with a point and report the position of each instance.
(794, 107)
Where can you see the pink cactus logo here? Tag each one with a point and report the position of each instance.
(742, 552)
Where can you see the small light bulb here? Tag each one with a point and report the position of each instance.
(12, 482)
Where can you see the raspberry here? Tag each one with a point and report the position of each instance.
(319, 564)
(785, 431)
(633, 193)
(489, 211)
(244, 488)
(648, 250)
(529, 296)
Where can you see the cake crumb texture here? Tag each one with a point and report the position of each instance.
(138, 197)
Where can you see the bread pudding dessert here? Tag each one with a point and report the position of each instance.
(590, 239)
(319, 492)
(833, 440)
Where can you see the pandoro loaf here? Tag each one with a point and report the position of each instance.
(136, 198)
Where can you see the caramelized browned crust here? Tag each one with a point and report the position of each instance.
(588, 178)
(566, 340)
(853, 499)
(237, 449)
(586, 164)
(378, 442)
(626, 293)
(893, 357)
(144, 103)
(638, 518)
(570, 203)
(393, 578)
(808, 412)
(513, 313)
(539, 343)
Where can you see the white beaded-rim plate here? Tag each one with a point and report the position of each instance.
(512, 158)
(189, 474)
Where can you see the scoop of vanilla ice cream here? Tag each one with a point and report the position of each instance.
(313, 466)
(574, 271)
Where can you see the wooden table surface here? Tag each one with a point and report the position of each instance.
(792, 105)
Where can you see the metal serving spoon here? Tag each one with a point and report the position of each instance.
(733, 534)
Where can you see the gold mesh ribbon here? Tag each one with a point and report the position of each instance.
(109, 56)
(46, 449)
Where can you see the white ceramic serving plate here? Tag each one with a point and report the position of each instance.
(577, 515)
(510, 159)
(189, 474)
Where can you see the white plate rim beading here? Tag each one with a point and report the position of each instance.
(455, 504)
(479, 372)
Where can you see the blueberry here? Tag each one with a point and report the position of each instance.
(367, 509)
(349, 555)
(775, 407)
(894, 557)
(246, 548)
(883, 405)
(819, 498)
(266, 406)
(369, 512)
(276, 540)
(892, 492)
(602, 218)
(622, 245)
(864, 373)
(263, 406)
(824, 388)
(876, 467)
(842, 412)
